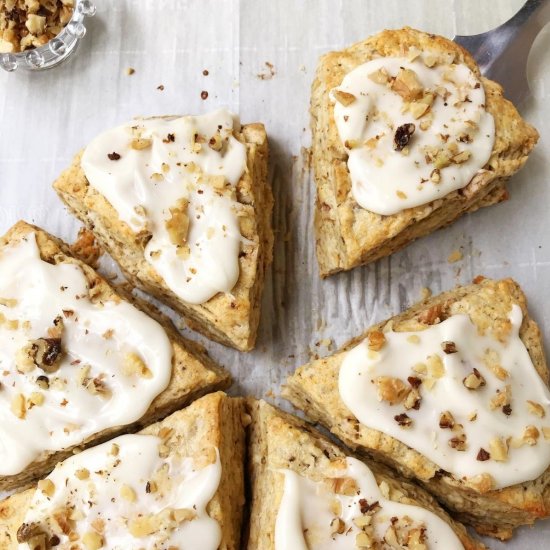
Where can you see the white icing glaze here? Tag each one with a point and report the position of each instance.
(135, 464)
(386, 181)
(70, 412)
(306, 504)
(128, 183)
(358, 390)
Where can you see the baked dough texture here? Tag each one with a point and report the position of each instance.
(281, 441)
(347, 235)
(231, 319)
(313, 388)
(194, 373)
(212, 421)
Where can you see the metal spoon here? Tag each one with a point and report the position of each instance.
(502, 52)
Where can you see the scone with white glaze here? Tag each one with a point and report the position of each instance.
(80, 362)
(407, 137)
(184, 207)
(452, 392)
(309, 494)
(176, 484)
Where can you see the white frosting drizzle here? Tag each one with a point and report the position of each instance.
(361, 368)
(96, 340)
(307, 505)
(386, 181)
(144, 184)
(104, 497)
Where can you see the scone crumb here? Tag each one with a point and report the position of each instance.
(47, 487)
(344, 98)
(376, 340)
(455, 256)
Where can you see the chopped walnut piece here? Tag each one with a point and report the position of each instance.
(546, 432)
(536, 408)
(47, 487)
(501, 398)
(446, 420)
(404, 420)
(344, 98)
(435, 366)
(113, 156)
(531, 435)
(8, 302)
(474, 380)
(19, 406)
(178, 223)
(36, 399)
(390, 389)
(448, 347)
(413, 399)
(432, 315)
(413, 339)
(82, 474)
(134, 365)
(47, 353)
(364, 540)
(139, 144)
(31, 533)
(376, 340)
(337, 526)
(403, 135)
(482, 482)
(491, 359)
(458, 442)
(461, 157)
(127, 493)
(406, 85)
(498, 449)
(344, 486)
(142, 526)
(380, 76)
(483, 455)
(215, 142)
(92, 540)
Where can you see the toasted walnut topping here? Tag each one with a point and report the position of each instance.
(364, 540)
(30, 533)
(133, 365)
(36, 398)
(141, 143)
(380, 76)
(376, 340)
(432, 315)
(178, 223)
(403, 135)
(458, 442)
(47, 487)
(403, 420)
(362, 521)
(337, 526)
(448, 347)
(414, 381)
(413, 399)
(92, 540)
(142, 526)
(420, 368)
(390, 389)
(501, 398)
(546, 432)
(474, 380)
(536, 409)
(435, 366)
(483, 455)
(499, 449)
(406, 85)
(43, 382)
(82, 474)
(482, 482)
(344, 486)
(8, 302)
(531, 435)
(413, 339)
(127, 493)
(461, 157)
(19, 406)
(151, 487)
(47, 353)
(344, 98)
(491, 359)
(446, 420)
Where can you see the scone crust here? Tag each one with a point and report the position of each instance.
(231, 319)
(193, 371)
(213, 421)
(278, 440)
(347, 235)
(314, 389)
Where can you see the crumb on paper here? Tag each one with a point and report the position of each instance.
(205, 72)
(86, 248)
(270, 394)
(204, 95)
(268, 73)
(130, 71)
(425, 293)
(160, 87)
(455, 256)
(302, 68)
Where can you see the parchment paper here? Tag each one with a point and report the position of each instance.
(261, 57)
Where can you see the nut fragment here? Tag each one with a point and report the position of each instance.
(47, 353)
(406, 84)
(18, 406)
(344, 98)
(376, 340)
(139, 144)
(390, 389)
(498, 449)
(30, 532)
(474, 380)
(458, 442)
(403, 135)
(446, 420)
(92, 540)
(178, 224)
(380, 76)
(531, 435)
(47, 487)
(337, 526)
(134, 365)
(536, 409)
(448, 347)
(127, 493)
(403, 420)
(483, 455)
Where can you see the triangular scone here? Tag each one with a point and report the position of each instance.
(348, 234)
(178, 483)
(230, 317)
(452, 392)
(81, 362)
(303, 483)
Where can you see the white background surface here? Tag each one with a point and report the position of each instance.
(46, 118)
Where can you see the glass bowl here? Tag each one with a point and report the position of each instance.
(58, 49)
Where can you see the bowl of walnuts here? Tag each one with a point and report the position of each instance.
(40, 34)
